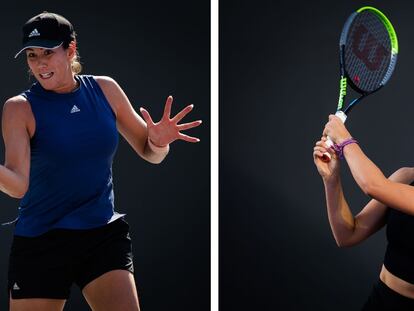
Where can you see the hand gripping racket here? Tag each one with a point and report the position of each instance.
(368, 49)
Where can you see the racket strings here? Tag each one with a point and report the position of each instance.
(367, 52)
(382, 50)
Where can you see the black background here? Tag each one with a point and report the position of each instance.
(279, 78)
(152, 49)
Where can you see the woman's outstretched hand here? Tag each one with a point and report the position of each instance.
(167, 129)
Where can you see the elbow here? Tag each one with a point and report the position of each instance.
(344, 244)
(19, 193)
(155, 161)
(151, 158)
(340, 244)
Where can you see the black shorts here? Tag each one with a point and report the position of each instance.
(46, 266)
(383, 298)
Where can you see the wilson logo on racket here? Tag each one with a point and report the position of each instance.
(371, 52)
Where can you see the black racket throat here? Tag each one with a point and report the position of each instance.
(352, 104)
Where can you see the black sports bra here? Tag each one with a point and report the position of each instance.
(399, 257)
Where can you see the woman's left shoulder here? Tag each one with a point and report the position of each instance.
(105, 81)
(112, 91)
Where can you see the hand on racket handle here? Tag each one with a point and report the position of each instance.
(326, 156)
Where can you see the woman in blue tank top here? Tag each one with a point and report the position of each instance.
(67, 229)
(392, 204)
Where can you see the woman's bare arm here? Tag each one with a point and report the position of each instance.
(14, 174)
(349, 230)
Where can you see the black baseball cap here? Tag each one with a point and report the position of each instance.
(46, 30)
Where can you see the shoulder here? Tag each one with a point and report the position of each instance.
(112, 91)
(17, 106)
(17, 112)
(105, 82)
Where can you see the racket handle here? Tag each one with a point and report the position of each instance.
(326, 157)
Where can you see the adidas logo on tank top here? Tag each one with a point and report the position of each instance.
(74, 109)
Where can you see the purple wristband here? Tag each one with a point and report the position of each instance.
(339, 148)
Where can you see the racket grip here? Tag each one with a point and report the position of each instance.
(326, 157)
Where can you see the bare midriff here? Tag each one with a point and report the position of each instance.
(396, 284)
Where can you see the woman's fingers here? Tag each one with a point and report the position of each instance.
(146, 116)
(182, 113)
(322, 144)
(317, 154)
(321, 149)
(188, 138)
(167, 108)
(186, 126)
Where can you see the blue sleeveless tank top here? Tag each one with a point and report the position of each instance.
(71, 153)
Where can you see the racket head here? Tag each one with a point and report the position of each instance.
(368, 51)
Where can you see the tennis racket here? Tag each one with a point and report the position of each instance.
(368, 49)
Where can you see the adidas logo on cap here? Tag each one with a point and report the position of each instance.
(34, 33)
